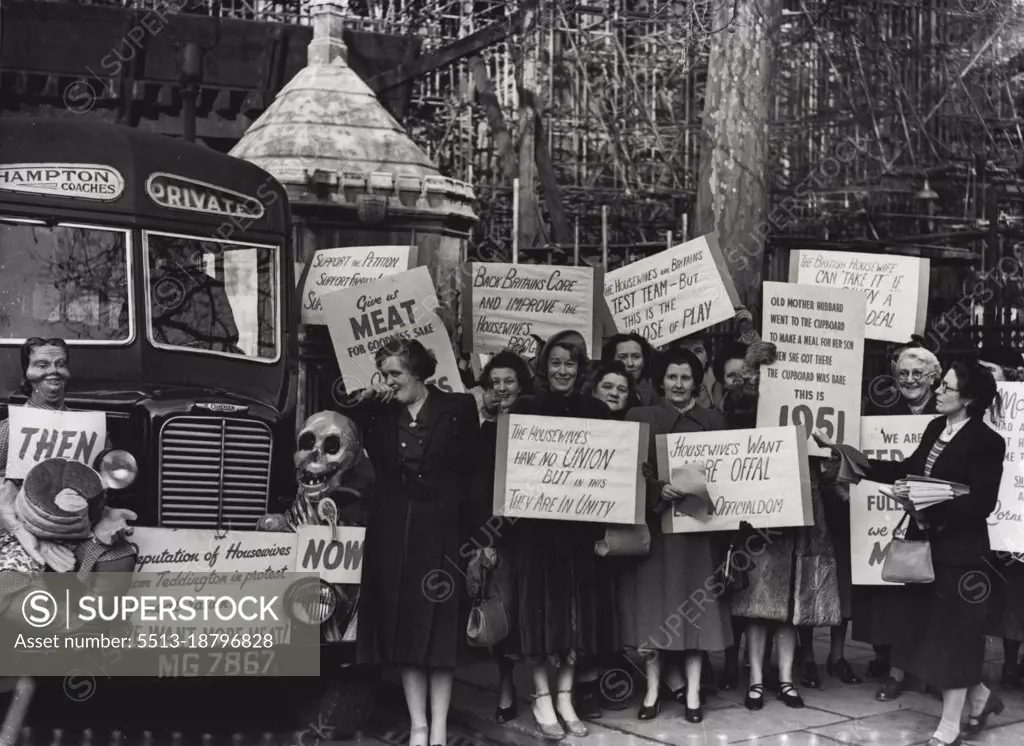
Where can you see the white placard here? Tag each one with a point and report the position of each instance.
(1006, 523)
(364, 319)
(508, 303)
(816, 381)
(207, 550)
(759, 475)
(557, 468)
(669, 295)
(337, 269)
(40, 434)
(873, 516)
(895, 287)
(336, 554)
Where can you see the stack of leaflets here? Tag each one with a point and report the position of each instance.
(924, 492)
(853, 465)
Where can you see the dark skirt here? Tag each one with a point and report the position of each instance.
(558, 592)
(837, 520)
(1006, 614)
(875, 613)
(413, 606)
(940, 636)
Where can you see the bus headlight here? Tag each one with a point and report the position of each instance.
(117, 468)
(312, 602)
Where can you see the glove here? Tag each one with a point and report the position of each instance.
(113, 526)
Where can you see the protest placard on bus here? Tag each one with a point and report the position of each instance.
(39, 434)
(873, 516)
(504, 305)
(673, 293)
(1006, 523)
(362, 320)
(209, 550)
(816, 381)
(758, 475)
(895, 287)
(336, 269)
(564, 469)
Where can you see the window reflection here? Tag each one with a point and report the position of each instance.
(212, 295)
(64, 281)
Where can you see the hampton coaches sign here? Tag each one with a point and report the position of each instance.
(180, 193)
(77, 180)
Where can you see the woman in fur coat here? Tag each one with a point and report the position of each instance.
(793, 578)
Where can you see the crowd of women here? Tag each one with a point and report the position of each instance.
(576, 614)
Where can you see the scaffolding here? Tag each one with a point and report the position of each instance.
(927, 91)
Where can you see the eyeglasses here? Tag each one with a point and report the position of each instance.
(913, 375)
(944, 388)
(40, 342)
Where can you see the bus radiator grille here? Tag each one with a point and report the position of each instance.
(214, 472)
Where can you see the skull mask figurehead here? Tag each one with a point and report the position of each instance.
(328, 446)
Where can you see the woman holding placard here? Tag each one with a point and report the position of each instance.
(940, 633)
(558, 599)
(679, 565)
(793, 576)
(423, 444)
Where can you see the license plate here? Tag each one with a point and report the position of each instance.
(196, 663)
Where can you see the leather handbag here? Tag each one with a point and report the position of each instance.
(908, 561)
(489, 620)
(624, 541)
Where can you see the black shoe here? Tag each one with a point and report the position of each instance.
(694, 716)
(891, 690)
(842, 670)
(649, 713)
(976, 723)
(588, 700)
(506, 714)
(788, 695)
(752, 702)
(810, 677)
(878, 669)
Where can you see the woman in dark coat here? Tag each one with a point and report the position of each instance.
(611, 382)
(940, 633)
(558, 601)
(679, 566)
(423, 445)
(916, 371)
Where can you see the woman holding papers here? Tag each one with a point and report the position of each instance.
(558, 595)
(679, 565)
(940, 633)
(423, 444)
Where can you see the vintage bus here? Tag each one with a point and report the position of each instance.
(168, 269)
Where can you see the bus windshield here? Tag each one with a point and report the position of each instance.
(213, 296)
(64, 280)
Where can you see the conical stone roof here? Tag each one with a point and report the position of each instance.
(327, 119)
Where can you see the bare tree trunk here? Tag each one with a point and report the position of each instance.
(732, 195)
